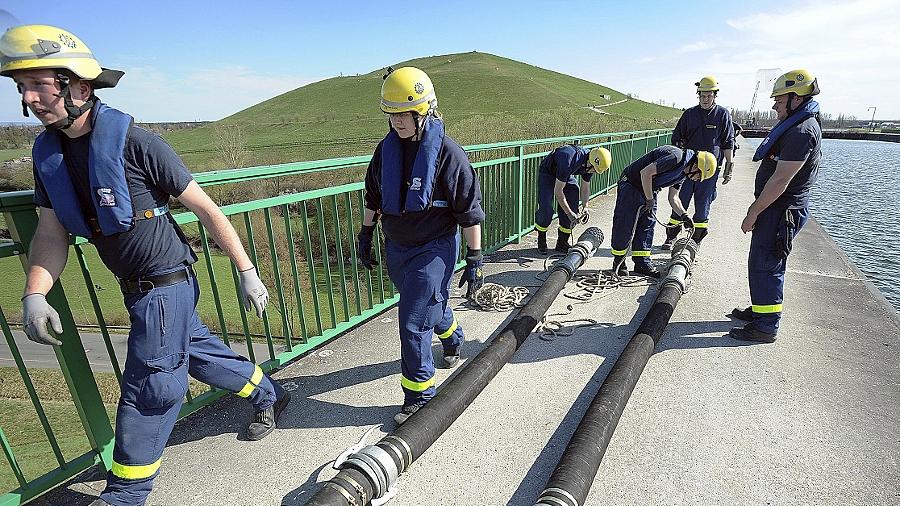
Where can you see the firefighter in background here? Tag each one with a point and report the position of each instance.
(704, 127)
(558, 182)
(790, 157)
(422, 186)
(635, 211)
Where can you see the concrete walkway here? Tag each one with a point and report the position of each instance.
(811, 419)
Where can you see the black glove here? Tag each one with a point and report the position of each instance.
(726, 174)
(364, 247)
(473, 274)
(687, 221)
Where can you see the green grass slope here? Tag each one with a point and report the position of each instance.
(484, 98)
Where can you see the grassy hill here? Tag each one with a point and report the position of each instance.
(484, 98)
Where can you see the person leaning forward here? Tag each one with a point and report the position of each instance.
(558, 183)
(635, 211)
(790, 157)
(421, 184)
(99, 176)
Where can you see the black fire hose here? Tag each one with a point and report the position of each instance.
(572, 479)
(370, 472)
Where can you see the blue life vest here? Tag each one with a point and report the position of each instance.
(809, 109)
(106, 173)
(424, 170)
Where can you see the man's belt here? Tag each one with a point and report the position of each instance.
(146, 283)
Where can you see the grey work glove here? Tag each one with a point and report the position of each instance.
(37, 313)
(583, 217)
(253, 292)
(726, 175)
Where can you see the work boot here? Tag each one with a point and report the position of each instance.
(646, 270)
(743, 314)
(562, 242)
(618, 267)
(264, 421)
(699, 234)
(671, 235)
(542, 243)
(750, 333)
(451, 359)
(406, 412)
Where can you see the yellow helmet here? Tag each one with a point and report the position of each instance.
(707, 164)
(29, 47)
(707, 83)
(408, 89)
(799, 81)
(600, 159)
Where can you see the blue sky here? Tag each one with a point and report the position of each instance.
(205, 60)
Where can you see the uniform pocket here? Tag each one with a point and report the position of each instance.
(165, 383)
(787, 229)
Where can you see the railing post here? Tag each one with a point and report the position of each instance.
(520, 151)
(22, 218)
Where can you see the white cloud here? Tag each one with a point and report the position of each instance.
(850, 46)
(696, 46)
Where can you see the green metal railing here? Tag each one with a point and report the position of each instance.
(304, 246)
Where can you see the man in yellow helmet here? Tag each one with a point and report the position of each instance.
(705, 127)
(635, 211)
(790, 157)
(558, 183)
(99, 176)
(422, 186)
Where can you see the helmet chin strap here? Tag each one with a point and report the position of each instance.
(73, 112)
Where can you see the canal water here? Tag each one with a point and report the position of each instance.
(856, 200)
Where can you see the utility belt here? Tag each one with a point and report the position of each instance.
(144, 284)
(138, 216)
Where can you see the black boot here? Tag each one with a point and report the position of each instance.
(562, 242)
(618, 266)
(542, 243)
(646, 269)
(750, 333)
(699, 234)
(671, 235)
(743, 314)
(264, 421)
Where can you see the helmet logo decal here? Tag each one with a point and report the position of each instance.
(68, 41)
(419, 88)
(800, 77)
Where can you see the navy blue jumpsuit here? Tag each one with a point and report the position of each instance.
(565, 164)
(702, 130)
(630, 225)
(422, 249)
(167, 341)
(778, 224)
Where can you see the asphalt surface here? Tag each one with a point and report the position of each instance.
(813, 418)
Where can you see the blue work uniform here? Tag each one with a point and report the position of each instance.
(422, 243)
(565, 164)
(778, 224)
(702, 130)
(167, 341)
(631, 226)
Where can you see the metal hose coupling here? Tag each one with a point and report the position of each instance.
(588, 242)
(684, 251)
(378, 466)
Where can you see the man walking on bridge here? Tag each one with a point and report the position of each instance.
(704, 127)
(790, 157)
(558, 183)
(99, 176)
